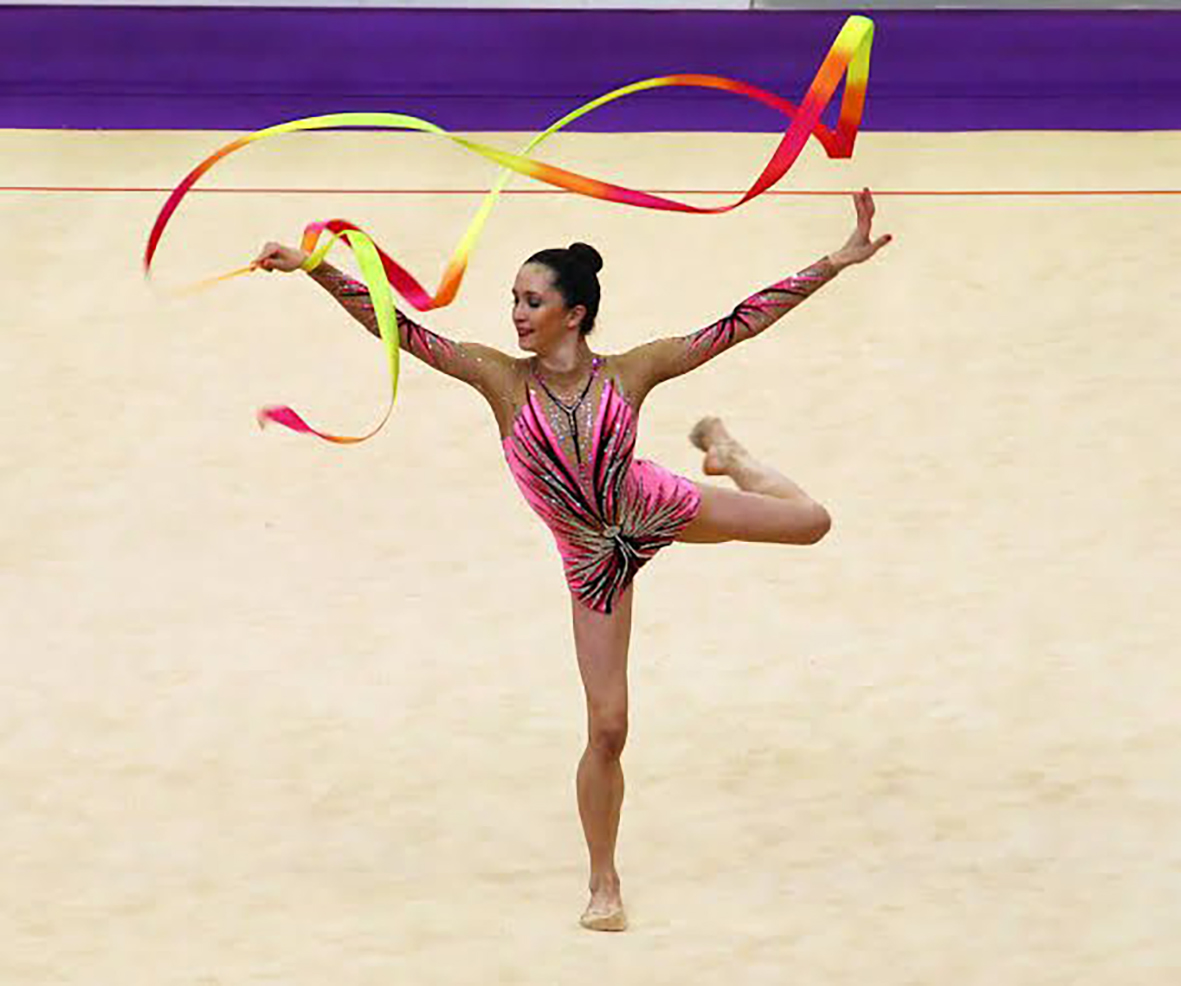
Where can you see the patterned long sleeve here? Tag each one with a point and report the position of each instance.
(467, 361)
(667, 358)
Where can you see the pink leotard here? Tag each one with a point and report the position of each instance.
(609, 512)
(573, 459)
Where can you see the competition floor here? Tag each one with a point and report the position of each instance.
(277, 712)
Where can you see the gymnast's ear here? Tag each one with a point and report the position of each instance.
(575, 316)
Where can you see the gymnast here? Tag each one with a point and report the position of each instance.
(567, 418)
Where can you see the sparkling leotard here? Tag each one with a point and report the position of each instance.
(573, 461)
(609, 512)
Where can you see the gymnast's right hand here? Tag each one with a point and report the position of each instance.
(276, 256)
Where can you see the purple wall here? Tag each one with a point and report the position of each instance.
(245, 68)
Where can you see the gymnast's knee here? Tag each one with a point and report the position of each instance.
(608, 734)
(813, 527)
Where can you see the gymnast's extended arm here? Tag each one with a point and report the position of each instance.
(665, 359)
(470, 362)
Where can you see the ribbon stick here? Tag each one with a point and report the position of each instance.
(848, 58)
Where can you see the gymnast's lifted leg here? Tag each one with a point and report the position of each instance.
(766, 507)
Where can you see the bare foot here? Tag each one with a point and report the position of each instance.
(711, 436)
(605, 912)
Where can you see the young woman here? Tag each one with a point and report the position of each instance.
(567, 419)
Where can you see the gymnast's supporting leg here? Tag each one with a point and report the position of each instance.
(601, 641)
(769, 507)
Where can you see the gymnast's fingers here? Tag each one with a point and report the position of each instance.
(880, 242)
(866, 212)
(267, 256)
(863, 219)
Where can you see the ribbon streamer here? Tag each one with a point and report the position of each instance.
(848, 57)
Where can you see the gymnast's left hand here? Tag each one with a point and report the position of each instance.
(276, 256)
(860, 246)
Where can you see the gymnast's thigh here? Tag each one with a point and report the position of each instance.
(601, 641)
(735, 515)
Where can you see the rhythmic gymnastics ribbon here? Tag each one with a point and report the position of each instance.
(848, 57)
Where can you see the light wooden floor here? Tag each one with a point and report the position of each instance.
(276, 712)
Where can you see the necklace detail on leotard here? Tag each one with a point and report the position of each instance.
(571, 410)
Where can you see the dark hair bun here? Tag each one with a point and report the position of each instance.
(586, 255)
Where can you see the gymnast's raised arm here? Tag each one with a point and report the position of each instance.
(664, 359)
(475, 364)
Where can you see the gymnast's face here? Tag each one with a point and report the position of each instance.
(540, 313)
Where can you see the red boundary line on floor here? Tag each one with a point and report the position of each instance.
(543, 191)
